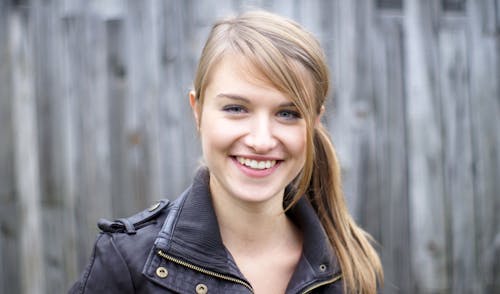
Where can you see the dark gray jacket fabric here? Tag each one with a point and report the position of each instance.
(176, 247)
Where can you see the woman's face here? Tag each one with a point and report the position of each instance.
(253, 137)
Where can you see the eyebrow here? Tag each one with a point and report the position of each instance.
(246, 100)
(233, 97)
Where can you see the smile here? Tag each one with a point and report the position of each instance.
(256, 164)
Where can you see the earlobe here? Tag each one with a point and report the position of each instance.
(194, 107)
(320, 115)
(192, 98)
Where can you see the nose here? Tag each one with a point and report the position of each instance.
(261, 137)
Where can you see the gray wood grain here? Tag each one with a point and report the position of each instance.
(485, 119)
(95, 122)
(425, 147)
(9, 267)
(25, 153)
(458, 164)
(392, 151)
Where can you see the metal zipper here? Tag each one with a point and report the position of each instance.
(205, 271)
(315, 286)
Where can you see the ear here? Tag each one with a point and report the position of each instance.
(317, 122)
(195, 107)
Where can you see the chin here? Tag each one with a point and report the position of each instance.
(254, 195)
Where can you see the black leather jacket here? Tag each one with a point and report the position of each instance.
(176, 247)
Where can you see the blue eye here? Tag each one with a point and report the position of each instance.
(289, 114)
(234, 109)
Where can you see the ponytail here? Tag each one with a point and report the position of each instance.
(359, 262)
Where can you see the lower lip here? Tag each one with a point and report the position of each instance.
(255, 173)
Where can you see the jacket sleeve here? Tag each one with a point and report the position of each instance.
(107, 271)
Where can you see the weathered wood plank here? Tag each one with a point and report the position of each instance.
(178, 135)
(484, 65)
(415, 120)
(26, 152)
(487, 11)
(122, 192)
(388, 68)
(142, 101)
(86, 89)
(6, 140)
(55, 129)
(94, 195)
(66, 162)
(364, 106)
(342, 121)
(9, 267)
(425, 149)
(458, 161)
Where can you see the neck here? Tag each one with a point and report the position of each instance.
(249, 228)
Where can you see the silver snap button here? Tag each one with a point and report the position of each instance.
(154, 206)
(201, 289)
(322, 267)
(162, 272)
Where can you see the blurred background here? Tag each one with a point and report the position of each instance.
(95, 122)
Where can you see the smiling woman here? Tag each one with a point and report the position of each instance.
(266, 214)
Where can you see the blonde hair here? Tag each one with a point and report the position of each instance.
(284, 53)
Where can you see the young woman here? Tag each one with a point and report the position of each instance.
(266, 214)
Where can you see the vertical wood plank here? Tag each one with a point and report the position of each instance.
(364, 110)
(414, 118)
(9, 249)
(425, 147)
(458, 176)
(65, 155)
(178, 135)
(93, 105)
(391, 150)
(71, 29)
(26, 152)
(343, 123)
(485, 119)
(55, 127)
(143, 102)
(123, 195)
(85, 85)
(487, 9)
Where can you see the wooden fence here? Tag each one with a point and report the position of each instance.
(95, 122)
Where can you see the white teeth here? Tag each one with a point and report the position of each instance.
(256, 164)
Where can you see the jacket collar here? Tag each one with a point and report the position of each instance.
(191, 232)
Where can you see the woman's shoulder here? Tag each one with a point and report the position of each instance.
(134, 234)
(122, 247)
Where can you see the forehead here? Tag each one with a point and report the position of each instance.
(238, 74)
(240, 67)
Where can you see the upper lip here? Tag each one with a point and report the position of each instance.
(259, 157)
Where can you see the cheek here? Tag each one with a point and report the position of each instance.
(215, 135)
(295, 141)
(212, 138)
